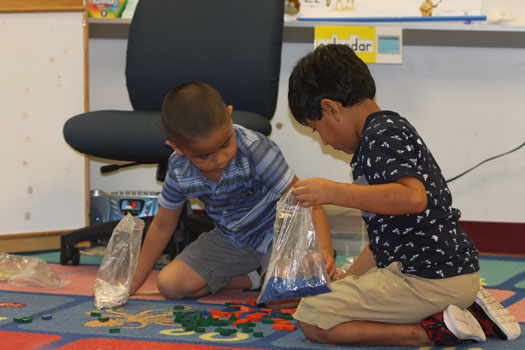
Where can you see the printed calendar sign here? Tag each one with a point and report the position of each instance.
(371, 44)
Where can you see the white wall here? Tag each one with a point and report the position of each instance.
(467, 103)
(41, 86)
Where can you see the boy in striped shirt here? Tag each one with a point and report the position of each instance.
(239, 175)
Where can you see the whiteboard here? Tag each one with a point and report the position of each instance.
(42, 84)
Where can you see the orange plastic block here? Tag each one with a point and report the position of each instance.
(241, 320)
(256, 317)
(289, 311)
(218, 313)
(246, 308)
(268, 311)
(284, 327)
(251, 302)
(280, 321)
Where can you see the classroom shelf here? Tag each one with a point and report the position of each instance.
(415, 34)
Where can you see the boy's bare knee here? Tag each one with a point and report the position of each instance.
(176, 283)
(168, 286)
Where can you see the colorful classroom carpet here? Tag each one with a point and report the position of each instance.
(148, 321)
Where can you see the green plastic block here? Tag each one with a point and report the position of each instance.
(228, 332)
(96, 314)
(199, 330)
(267, 321)
(246, 325)
(27, 319)
(186, 321)
(114, 330)
(103, 319)
(247, 330)
(178, 307)
(258, 334)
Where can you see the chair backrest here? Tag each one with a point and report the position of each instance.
(233, 45)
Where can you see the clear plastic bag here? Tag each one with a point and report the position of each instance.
(296, 268)
(28, 271)
(118, 265)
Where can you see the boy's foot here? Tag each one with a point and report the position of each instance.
(463, 324)
(453, 326)
(256, 279)
(495, 320)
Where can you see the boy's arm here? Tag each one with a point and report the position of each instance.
(159, 233)
(364, 262)
(322, 228)
(406, 195)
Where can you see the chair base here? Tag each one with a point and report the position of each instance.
(68, 251)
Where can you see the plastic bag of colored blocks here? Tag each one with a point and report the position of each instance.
(296, 268)
(118, 265)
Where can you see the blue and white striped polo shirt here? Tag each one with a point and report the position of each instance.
(242, 203)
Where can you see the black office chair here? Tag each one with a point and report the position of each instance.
(234, 45)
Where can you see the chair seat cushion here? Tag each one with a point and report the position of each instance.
(136, 136)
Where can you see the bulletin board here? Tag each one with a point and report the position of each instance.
(43, 82)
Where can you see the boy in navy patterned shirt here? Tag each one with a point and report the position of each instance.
(239, 175)
(419, 261)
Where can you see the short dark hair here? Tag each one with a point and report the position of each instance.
(331, 71)
(192, 111)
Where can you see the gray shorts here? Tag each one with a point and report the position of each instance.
(387, 295)
(217, 260)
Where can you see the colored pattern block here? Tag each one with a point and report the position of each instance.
(284, 327)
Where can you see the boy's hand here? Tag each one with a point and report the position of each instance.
(331, 268)
(314, 191)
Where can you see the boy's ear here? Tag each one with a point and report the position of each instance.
(174, 148)
(330, 107)
(230, 109)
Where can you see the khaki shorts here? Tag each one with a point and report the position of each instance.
(386, 295)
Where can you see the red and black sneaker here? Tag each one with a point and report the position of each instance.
(453, 326)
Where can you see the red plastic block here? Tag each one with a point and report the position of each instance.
(284, 327)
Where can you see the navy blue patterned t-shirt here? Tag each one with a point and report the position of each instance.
(430, 244)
